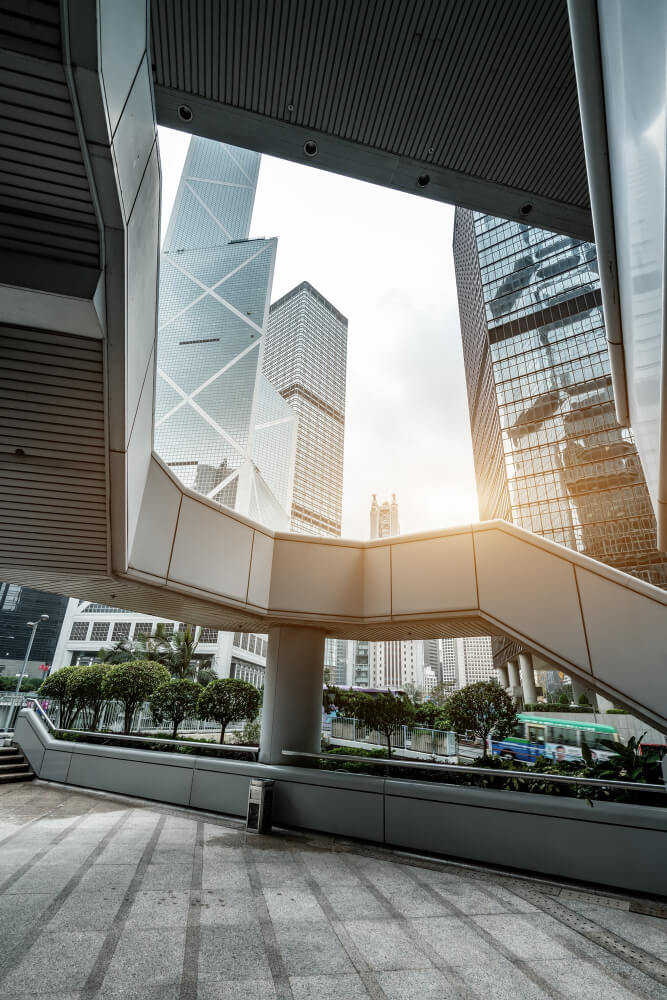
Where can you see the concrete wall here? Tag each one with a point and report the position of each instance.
(611, 843)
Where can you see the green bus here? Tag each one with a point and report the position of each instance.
(559, 739)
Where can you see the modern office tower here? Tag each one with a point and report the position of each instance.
(305, 359)
(474, 660)
(430, 681)
(339, 660)
(361, 670)
(219, 425)
(549, 454)
(18, 606)
(397, 662)
(384, 518)
(448, 661)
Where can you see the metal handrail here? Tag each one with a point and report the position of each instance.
(496, 773)
(142, 739)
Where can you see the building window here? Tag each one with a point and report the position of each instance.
(100, 631)
(237, 638)
(167, 629)
(12, 597)
(143, 628)
(121, 630)
(208, 635)
(79, 631)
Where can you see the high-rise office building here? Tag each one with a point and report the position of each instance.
(549, 453)
(18, 606)
(305, 359)
(219, 424)
(397, 662)
(222, 429)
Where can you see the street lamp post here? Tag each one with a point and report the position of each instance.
(34, 625)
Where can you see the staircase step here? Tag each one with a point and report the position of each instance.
(19, 765)
(8, 751)
(10, 759)
(16, 776)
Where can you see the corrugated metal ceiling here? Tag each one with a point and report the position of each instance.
(485, 89)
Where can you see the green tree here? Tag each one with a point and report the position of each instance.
(228, 700)
(174, 701)
(132, 683)
(440, 694)
(383, 712)
(415, 694)
(432, 716)
(481, 709)
(58, 687)
(87, 686)
(179, 656)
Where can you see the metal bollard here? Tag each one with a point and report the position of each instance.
(260, 805)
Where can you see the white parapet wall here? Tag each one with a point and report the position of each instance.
(607, 843)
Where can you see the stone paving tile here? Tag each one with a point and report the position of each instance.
(417, 985)
(107, 877)
(310, 948)
(292, 904)
(143, 958)
(454, 940)
(159, 908)
(346, 987)
(218, 876)
(167, 876)
(502, 980)
(238, 989)
(530, 937)
(221, 907)
(385, 945)
(232, 953)
(42, 877)
(273, 874)
(56, 962)
(329, 868)
(354, 902)
(86, 911)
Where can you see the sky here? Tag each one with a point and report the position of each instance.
(384, 259)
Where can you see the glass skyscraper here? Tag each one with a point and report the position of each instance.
(219, 425)
(549, 453)
(305, 359)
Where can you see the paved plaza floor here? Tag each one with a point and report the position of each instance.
(103, 897)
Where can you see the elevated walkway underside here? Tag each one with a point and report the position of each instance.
(88, 510)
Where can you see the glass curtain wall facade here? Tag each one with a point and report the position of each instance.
(18, 606)
(549, 453)
(305, 359)
(219, 425)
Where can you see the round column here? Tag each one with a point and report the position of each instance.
(527, 678)
(580, 687)
(504, 676)
(514, 678)
(292, 708)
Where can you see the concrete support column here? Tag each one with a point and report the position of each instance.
(292, 709)
(514, 678)
(580, 687)
(504, 676)
(527, 678)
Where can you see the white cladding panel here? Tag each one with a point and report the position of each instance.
(436, 574)
(211, 550)
(534, 590)
(157, 523)
(622, 628)
(377, 581)
(259, 586)
(317, 578)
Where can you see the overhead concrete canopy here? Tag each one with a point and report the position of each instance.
(473, 103)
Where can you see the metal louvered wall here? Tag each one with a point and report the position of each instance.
(53, 485)
(46, 209)
(482, 88)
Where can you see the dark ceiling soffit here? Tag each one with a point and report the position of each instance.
(282, 139)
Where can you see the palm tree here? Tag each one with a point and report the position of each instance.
(176, 652)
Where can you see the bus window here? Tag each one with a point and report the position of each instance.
(536, 734)
(593, 740)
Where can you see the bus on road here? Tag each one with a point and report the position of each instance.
(558, 739)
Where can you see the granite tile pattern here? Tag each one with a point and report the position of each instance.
(105, 898)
